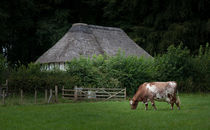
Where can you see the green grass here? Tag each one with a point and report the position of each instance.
(194, 114)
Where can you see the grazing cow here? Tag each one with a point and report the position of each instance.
(159, 91)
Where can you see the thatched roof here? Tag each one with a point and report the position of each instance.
(87, 40)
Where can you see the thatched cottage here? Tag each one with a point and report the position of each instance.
(87, 40)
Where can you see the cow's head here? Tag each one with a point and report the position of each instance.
(134, 104)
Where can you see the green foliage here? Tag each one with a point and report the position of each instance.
(130, 71)
(105, 71)
(191, 72)
(91, 73)
(174, 65)
(3, 67)
(32, 77)
(201, 67)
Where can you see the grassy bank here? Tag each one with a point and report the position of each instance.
(194, 114)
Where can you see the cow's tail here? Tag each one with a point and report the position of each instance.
(178, 99)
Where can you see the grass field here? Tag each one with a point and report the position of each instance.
(111, 115)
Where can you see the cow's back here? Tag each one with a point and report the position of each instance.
(161, 90)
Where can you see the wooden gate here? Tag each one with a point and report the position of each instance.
(94, 93)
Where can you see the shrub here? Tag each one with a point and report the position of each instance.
(174, 65)
(201, 70)
(3, 68)
(31, 77)
(191, 72)
(116, 71)
(130, 71)
(90, 72)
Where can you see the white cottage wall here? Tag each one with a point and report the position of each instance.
(51, 66)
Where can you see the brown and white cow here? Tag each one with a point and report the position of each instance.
(156, 91)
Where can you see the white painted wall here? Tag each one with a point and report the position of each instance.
(62, 66)
(51, 66)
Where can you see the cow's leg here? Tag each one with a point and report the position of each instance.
(177, 102)
(146, 106)
(172, 101)
(172, 105)
(153, 103)
(146, 103)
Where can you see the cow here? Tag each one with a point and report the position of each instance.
(156, 91)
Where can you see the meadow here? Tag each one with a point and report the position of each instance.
(109, 115)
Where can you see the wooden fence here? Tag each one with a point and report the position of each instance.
(94, 93)
(74, 94)
(52, 98)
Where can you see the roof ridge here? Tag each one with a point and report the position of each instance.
(97, 27)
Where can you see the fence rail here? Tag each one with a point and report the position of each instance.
(52, 98)
(94, 93)
(51, 95)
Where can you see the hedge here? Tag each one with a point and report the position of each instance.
(177, 64)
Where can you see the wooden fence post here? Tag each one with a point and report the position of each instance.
(125, 94)
(3, 97)
(50, 96)
(35, 96)
(56, 93)
(75, 93)
(63, 92)
(45, 95)
(21, 96)
(6, 86)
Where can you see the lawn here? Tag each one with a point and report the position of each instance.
(110, 115)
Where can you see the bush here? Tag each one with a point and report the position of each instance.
(191, 72)
(130, 71)
(201, 70)
(116, 71)
(31, 77)
(3, 68)
(174, 65)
